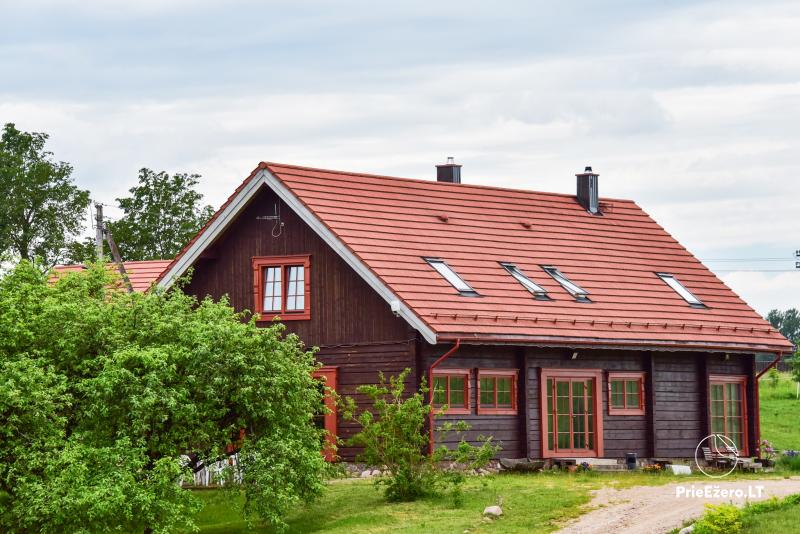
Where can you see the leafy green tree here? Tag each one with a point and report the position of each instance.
(42, 209)
(787, 322)
(162, 214)
(102, 391)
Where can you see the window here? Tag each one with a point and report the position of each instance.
(626, 394)
(572, 288)
(451, 388)
(325, 417)
(538, 292)
(728, 408)
(282, 287)
(497, 391)
(451, 276)
(679, 288)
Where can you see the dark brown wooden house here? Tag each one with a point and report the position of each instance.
(563, 325)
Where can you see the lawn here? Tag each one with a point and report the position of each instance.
(780, 412)
(785, 519)
(531, 503)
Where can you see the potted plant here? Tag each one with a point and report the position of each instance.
(767, 454)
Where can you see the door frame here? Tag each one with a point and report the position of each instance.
(597, 375)
(329, 373)
(731, 379)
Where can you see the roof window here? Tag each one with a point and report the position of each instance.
(681, 290)
(538, 291)
(572, 288)
(451, 276)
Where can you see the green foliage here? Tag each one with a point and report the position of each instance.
(101, 391)
(720, 519)
(394, 436)
(773, 376)
(42, 209)
(162, 214)
(789, 460)
(787, 322)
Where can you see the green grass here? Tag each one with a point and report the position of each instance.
(783, 519)
(534, 503)
(780, 412)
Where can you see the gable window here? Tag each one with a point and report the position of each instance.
(452, 277)
(497, 391)
(451, 389)
(681, 290)
(538, 291)
(282, 287)
(572, 288)
(728, 408)
(626, 394)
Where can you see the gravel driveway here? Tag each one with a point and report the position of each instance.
(659, 509)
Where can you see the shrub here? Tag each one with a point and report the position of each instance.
(720, 519)
(394, 436)
(101, 391)
(774, 377)
(790, 460)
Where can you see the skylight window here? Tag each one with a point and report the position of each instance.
(537, 290)
(572, 288)
(451, 276)
(679, 288)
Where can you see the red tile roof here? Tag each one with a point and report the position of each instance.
(142, 274)
(390, 224)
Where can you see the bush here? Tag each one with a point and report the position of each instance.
(394, 436)
(774, 377)
(101, 391)
(720, 519)
(790, 460)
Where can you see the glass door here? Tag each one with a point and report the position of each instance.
(728, 409)
(570, 419)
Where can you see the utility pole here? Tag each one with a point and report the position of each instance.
(98, 227)
(118, 260)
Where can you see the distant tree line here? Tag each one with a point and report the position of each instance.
(43, 212)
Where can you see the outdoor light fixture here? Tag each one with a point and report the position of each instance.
(575, 355)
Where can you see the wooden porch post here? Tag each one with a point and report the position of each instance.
(650, 404)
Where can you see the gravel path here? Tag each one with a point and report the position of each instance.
(659, 509)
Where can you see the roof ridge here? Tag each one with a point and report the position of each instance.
(269, 164)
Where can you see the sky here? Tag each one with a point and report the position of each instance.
(690, 108)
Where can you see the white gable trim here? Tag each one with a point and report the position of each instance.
(264, 177)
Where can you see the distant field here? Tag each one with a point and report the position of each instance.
(780, 412)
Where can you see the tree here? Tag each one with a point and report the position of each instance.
(101, 391)
(787, 322)
(162, 214)
(42, 209)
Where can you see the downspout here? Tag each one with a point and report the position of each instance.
(770, 366)
(442, 358)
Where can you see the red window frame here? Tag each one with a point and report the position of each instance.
(498, 373)
(260, 264)
(597, 409)
(730, 379)
(627, 377)
(458, 373)
(329, 375)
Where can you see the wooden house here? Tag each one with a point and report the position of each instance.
(565, 325)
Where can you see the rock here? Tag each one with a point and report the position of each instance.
(376, 472)
(523, 465)
(366, 474)
(493, 511)
(687, 530)
(680, 470)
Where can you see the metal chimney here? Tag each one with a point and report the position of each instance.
(588, 196)
(449, 172)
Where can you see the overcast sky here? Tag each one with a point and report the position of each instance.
(690, 108)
